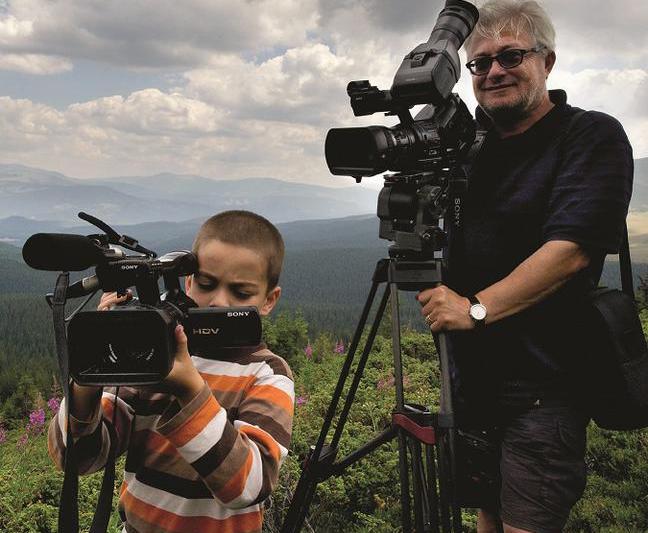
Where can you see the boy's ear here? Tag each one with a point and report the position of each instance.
(188, 281)
(271, 300)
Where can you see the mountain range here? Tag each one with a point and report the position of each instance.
(37, 194)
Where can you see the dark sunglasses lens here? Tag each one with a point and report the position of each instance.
(510, 58)
(481, 65)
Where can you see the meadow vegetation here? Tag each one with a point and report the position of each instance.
(364, 499)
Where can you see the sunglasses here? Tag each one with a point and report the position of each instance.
(510, 58)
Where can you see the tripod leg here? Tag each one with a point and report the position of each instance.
(444, 478)
(433, 499)
(418, 487)
(406, 513)
(310, 476)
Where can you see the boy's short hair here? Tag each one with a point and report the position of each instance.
(247, 229)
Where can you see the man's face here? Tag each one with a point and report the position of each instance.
(510, 95)
(231, 275)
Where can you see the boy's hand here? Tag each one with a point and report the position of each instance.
(110, 299)
(184, 381)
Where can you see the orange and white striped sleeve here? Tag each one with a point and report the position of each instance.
(238, 454)
(91, 437)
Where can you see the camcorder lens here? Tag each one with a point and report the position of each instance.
(121, 346)
(357, 151)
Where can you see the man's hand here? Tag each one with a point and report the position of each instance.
(444, 309)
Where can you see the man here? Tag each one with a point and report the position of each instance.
(547, 199)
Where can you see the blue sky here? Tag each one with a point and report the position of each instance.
(236, 89)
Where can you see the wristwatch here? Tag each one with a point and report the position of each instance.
(477, 312)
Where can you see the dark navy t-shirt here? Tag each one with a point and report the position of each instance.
(566, 178)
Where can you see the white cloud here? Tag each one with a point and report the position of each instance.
(259, 82)
(34, 64)
(148, 112)
(153, 33)
(305, 85)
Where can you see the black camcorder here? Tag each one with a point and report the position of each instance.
(134, 344)
(426, 152)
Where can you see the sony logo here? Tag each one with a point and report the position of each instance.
(206, 331)
(237, 313)
(128, 267)
(457, 212)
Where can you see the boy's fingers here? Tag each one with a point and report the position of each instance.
(181, 337)
(110, 299)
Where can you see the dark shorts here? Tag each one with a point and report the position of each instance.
(542, 473)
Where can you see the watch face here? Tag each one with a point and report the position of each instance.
(478, 312)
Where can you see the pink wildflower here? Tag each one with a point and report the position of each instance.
(54, 403)
(308, 351)
(36, 421)
(3, 434)
(37, 418)
(339, 347)
(22, 440)
(301, 400)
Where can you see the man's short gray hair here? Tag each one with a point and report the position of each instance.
(513, 17)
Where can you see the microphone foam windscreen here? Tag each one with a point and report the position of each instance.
(61, 251)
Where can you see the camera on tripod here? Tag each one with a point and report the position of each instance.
(135, 343)
(425, 152)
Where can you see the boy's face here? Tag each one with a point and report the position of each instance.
(231, 275)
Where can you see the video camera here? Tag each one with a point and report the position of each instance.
(426, 152)
(134, 344)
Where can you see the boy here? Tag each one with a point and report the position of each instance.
(204, 446)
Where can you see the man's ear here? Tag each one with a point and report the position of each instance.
(188, 282)
(271, 300)
(550, 61)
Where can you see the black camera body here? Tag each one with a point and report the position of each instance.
(134, 343)
(426, 152)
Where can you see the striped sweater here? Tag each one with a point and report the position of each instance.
(207, 467)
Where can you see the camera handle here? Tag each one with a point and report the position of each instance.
(68, 519)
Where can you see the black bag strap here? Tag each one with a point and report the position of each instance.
(625, 264)
(68, 518)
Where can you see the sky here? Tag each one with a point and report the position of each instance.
(248, 88)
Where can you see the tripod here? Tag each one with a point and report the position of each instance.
(426, 441)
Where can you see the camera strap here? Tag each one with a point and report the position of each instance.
(68, 519)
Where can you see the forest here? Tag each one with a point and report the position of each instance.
(364, 499)
(312, 333)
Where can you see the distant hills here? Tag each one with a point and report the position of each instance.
(331, 252)
(327, 271)
(37, 194)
